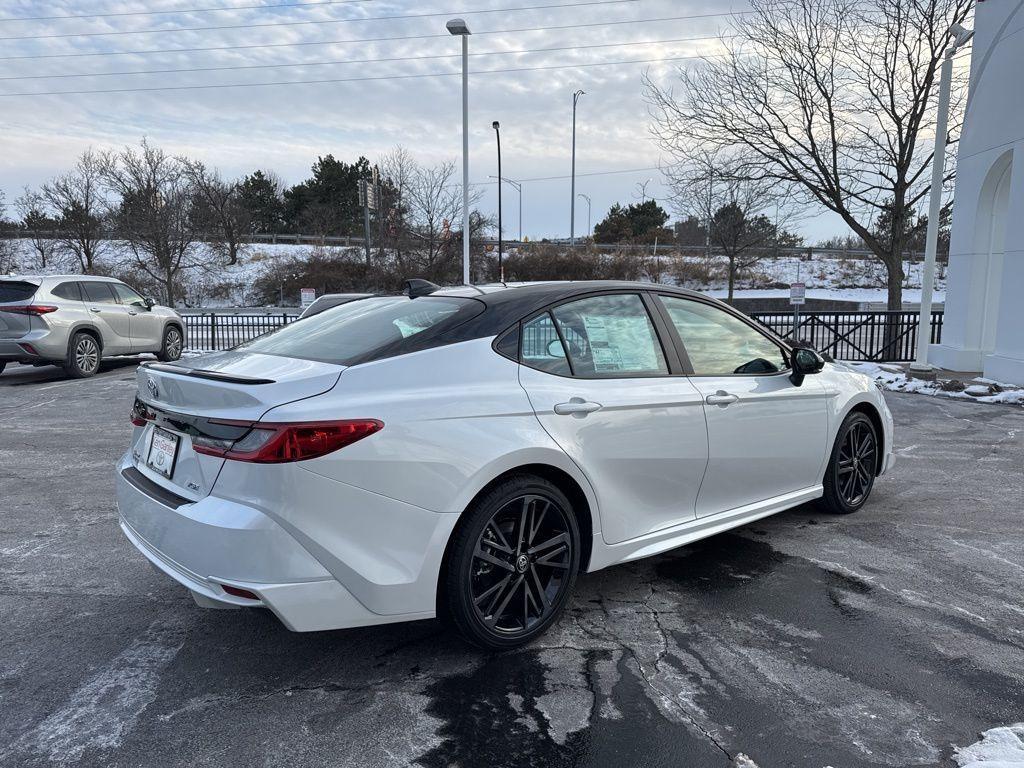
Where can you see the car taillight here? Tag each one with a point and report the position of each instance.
(31, 309)
(141, 414)
(272, 443)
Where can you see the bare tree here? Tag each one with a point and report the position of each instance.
(744, 217)
(37, 224)
(8, 253)
(218, 208)
(835, 96)
(153, 213)
(79, 204)
(434, 205)
(397, 170)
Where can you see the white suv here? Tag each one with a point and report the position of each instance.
(76, 320)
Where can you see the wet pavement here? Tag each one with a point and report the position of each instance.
(883, 638)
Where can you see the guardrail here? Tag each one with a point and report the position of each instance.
(887, 336)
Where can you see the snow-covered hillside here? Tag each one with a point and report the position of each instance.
(214, 284)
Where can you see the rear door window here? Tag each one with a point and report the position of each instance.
(369, 328)
(99, 293)
(16, 290)
(542, 347)
(69, 290)
(610, 336)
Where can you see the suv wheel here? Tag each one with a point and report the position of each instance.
(171, 348)
(852, 466)
(83, 358)
(513, 563)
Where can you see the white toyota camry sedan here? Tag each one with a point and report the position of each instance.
(466, 452)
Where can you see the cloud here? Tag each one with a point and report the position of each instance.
(285, 128)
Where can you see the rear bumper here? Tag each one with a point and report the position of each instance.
(216, 542)
(46, 345)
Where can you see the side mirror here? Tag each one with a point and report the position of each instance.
(805, 361)
(149, 302)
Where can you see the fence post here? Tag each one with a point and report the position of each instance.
(213, 331)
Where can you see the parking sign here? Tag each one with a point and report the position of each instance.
(797, 291)
(308, 296)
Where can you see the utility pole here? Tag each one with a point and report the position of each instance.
(518, 188)
(711, 214)
(380, 211)
(365, 203)
(572, 195)
(501, 265)
(924, 324)
(587, 198)
(458, 27)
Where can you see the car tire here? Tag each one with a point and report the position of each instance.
(84, 356)
(512, 564)
(172, 345)
(852, 467)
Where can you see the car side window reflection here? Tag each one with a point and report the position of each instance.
(129, 296)
(541, 347)
(610, 336)
(720, 344)
(98, 293)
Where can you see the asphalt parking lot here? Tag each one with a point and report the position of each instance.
(883, 638)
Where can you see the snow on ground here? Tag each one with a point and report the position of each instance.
(859, 295)
(893, 378)
(998, 748)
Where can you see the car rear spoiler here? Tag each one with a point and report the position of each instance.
(199, 373)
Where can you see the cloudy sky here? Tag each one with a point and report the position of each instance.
(285, 127)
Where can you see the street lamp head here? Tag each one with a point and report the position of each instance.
(457, 27)
(961, 35)
(494, 125)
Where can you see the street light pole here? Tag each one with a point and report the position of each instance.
(458, 27)
(497, 135)
(587, 198)
(924, 323)
(518, 188)
(572, 195)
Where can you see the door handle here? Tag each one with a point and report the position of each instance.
(94, 309)
(133, 314)
(721, 397)
(576, 406)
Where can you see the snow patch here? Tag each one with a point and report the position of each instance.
(106, 707)
(998, 748)
(894, 379)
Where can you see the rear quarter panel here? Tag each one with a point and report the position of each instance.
(455, 417)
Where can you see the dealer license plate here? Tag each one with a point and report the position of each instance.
(163, 452)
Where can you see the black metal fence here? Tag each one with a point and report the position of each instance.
(860, 336)
(213, 331)
(887, 336)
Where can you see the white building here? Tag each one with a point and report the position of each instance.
(983, 329)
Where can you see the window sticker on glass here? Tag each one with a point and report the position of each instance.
(610, 336)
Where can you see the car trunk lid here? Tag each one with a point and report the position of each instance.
(190, 398)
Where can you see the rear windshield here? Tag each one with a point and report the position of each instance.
(367, 329)
(16, 290)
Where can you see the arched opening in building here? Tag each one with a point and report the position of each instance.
(990, 243)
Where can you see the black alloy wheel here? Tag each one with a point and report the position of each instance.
(513, 563)
(853, 466)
